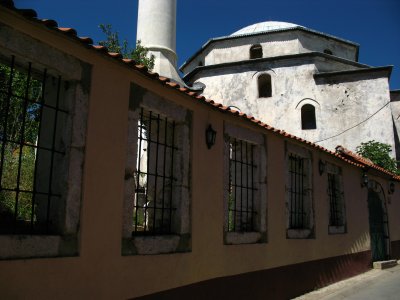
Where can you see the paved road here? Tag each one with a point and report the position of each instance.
(372, 285)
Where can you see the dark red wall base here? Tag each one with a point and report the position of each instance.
(277, 283)
(395, 250)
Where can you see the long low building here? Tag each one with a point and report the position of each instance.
(118, 183)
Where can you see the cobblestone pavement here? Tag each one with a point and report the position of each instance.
(372, 285)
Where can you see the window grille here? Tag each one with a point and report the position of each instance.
(264, 86)
(256, 51)
(31, 120)
(154, 210)
(336, 207)
(241, 206)
(298, 209)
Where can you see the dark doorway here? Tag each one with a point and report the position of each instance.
(378, 232)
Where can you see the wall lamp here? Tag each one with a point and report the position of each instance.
(364, 179)
(391, 187)
(210, 136)
(321, 167)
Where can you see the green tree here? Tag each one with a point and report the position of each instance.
(113, 43)
(19, 129)
(378, 153)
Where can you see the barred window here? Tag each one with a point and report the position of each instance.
(245, 200)
(298, 209)
(299, 204)
(157, 176)
(32, 118)
(154, 210)
(336, 200)
(242, 168)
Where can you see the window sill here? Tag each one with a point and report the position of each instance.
(158, 244)
(298, 233)
(35, 246)
(237, 238)
(336, 229)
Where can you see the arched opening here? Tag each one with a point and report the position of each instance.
(308, 117)
(378, 220)
(256, 51)
(264, 86)
(327, 51)
(200, 64)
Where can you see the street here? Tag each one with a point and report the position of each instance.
(373, 285)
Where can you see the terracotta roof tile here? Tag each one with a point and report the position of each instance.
(67, 30)
(345, 156)
(115, 54)
(49, 23)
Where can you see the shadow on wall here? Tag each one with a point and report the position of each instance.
(278, 283)
(356, 261)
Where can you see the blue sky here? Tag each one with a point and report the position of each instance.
(374, 24)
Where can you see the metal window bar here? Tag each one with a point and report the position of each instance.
(335, 216)
(23, 93)
(241, 190)
(153, 205)
(297, 214)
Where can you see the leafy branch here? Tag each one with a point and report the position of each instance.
(140, 54)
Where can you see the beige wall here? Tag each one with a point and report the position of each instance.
(101, 272)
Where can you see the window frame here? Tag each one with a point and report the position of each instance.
(258, 140)
(307, 231)
(335, 172)
(264, 91)
(65, 242)
(308, 116)
(180, 239)
(256, 51)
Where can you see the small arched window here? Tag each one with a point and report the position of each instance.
(264, 86)
(327, 51)
(256, 51)
(308, 117)
(200, 64)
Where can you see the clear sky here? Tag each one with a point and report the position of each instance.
(374, 24)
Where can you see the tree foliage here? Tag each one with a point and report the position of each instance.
(378, 153)
(140, 54)
(19, 119)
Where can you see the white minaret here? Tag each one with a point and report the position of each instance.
(156, 29)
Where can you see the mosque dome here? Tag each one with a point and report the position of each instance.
(263, 27)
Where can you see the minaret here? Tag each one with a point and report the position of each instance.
(156, 29)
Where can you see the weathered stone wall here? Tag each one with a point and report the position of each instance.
(339, 104)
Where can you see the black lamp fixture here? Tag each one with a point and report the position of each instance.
(364, 179)
(210, 136)
(321, 167)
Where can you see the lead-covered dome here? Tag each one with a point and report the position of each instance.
(264, 26)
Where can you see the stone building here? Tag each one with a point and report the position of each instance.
(305, 82)
(119, 183)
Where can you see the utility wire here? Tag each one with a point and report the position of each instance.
(354, 125)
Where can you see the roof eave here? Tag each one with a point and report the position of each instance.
(274, 58)
(217, 39)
